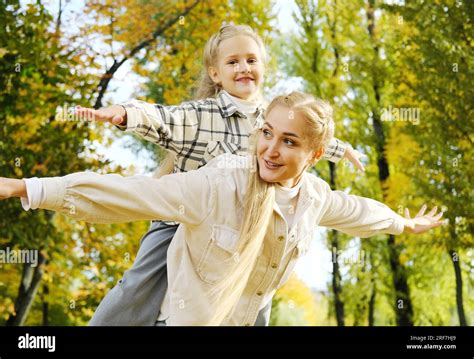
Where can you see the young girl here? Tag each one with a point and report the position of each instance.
(229, 109)
(236, 244)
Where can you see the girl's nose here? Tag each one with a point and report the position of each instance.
(244, 66)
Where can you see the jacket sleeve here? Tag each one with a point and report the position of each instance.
(358, 216)
(111, 198)
(171, 127)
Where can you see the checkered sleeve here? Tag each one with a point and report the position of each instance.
(335, 150)
(172, 127)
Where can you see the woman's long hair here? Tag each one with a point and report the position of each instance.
(260, 197)
(206, 87)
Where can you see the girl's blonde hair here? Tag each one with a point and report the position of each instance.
(260, 197)
(206, 87)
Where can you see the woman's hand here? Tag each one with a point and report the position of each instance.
(354, 157)
(116, 114)
(422, 222)
(10, 187)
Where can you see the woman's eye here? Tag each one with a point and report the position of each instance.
(266, 133)
(289, 142)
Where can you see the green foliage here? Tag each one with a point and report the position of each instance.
(425, 62)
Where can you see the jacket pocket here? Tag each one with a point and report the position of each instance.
(300, 250)
(216, 148)
(220, 254)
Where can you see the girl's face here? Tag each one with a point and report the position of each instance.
(239, 68)
(283, 150)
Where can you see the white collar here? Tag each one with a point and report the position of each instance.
(243, 106)
(288, 192)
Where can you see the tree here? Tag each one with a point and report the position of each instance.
(434, 71)
(294, 304)
(60, 67)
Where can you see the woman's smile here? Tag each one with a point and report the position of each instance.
(271, 165)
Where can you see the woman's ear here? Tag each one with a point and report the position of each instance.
(214, 75)
(318, 154)
(316, 157)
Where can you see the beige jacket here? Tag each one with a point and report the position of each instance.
(208, 204)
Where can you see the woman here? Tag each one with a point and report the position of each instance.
(244, 223)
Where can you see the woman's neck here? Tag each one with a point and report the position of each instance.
(292, 182)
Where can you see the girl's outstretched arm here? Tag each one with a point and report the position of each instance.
(337, 150)
(171, 127)
(111, 198)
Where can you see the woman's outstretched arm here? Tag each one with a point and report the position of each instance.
(365, 217)
(111, 198)
(10, 188)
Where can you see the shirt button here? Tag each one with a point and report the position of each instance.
(274, 265)
(281, 238)
(259, 292)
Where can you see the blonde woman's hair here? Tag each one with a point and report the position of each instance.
(206, 87)
(260, 197)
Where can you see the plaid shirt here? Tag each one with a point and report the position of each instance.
(198, 131)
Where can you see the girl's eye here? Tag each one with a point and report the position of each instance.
(252, 61)
(289, 142)
(266, 133)
(232, 62)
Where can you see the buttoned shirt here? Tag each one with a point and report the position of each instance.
(209, 205)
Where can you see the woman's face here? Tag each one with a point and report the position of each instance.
(239, 68)
(283, 150)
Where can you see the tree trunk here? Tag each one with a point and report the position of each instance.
(458, 274)
(372, 303)
(403, 305)
(336, 274)
(45, 305)
(31, 277)
(361, 305)
(30, 280)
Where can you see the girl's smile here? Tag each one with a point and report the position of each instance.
(239, 67)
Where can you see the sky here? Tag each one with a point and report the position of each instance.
(316, 266)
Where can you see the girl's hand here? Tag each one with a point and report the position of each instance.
(354, 157)
(116, 114)
(10, 187)
(422, 222)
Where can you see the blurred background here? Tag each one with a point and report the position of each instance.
(399, 75)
